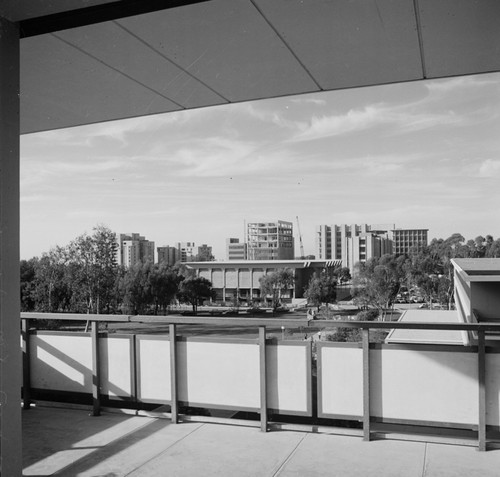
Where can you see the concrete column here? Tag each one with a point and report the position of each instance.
(10, 350)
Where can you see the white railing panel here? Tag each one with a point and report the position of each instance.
(219, 374)
(153, 369)
(61, 361)
(340, 380)
(116, 366)
(422, 385)
(289, 378)
(493, 389)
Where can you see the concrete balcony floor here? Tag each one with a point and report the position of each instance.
(69, 442)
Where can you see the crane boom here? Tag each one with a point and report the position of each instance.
(302, 255)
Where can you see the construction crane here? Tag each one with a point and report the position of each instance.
(302, 255)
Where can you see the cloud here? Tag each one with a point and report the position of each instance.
(490, 168)
(306, 100)
(270, 116)
(446, 86)
(353, 120)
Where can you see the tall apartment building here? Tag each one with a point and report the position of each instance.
(134, 248)
(167, 254)
(358, 243)
(235, 250)
(184, 252)
(270, 240)
(187, 250)
(205, 253)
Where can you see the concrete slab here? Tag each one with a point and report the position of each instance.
(71, 442)
(221, 450)
(455, 461)
(329, 455)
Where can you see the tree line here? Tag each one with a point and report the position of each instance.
(84, 277)
(429, 271)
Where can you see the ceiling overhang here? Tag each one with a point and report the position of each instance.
(93, 61)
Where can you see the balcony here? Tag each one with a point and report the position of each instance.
(224, 377)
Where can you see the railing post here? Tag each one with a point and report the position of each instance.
(481, 364)
(263, 379)
(174, 406)
(133, 372)
(25, 331)
(366, 383)
(96, 370)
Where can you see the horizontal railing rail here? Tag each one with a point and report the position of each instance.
(263, 324)
(267, 322)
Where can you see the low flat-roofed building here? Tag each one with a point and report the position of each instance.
(407, 336)
(477, 300)
(477, 290)
(239, 279)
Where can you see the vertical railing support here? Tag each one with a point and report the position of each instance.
(174, 406)
(481, 365)
(96, 370)
(133, 373)
(25, 331)
(366, 383)
(263, 379)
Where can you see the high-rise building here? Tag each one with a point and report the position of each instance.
(168, 255)
(204, 253)
(270, 240)
(134, 248)
(186, 251)
(235, 250)
(406, 240)
(358, 243)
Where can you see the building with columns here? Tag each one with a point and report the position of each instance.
(239, 279)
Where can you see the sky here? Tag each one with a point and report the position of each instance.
(421, 154)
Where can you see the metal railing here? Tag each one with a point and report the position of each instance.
(262, 325)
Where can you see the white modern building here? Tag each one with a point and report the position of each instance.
(358, 243)
(235, 250)
(270, 240)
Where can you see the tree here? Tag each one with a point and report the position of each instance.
(27, 275)
(423, 270)
(51, 289)
(135, 289)
(343, 274)
(93, 268)
(163, 284)
(194, 290)
(322, 288)
(275, 284)
(378, 281)
(204, 254)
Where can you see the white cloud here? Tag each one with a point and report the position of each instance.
(490, 168)
(353, 120)
(306, 100)
(445, 86)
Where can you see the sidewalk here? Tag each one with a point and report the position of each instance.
(72, 443)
